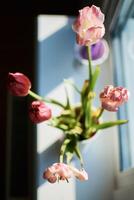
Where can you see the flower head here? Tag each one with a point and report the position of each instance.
(18, 84)
(61, 171)
(58, 171)
(111, 98)
(89, 25)
(39, 112)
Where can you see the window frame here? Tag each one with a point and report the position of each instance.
(123, 178)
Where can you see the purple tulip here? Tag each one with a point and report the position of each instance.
(97, 51)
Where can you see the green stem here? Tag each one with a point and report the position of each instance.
(101, 112)
(38, 97)
(89, 65)
(88, 100)
(63, 149)
(79, 155)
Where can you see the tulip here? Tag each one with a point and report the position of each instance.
(97, 50)
(111, 98)
(39, 112)
(89, 25)
(18, 84)
(61, 171)
(58, 171)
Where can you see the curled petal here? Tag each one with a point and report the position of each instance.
(80, 174)
(89, 25)
(98, 14)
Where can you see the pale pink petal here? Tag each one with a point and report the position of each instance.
(96, 12)
(79, 174)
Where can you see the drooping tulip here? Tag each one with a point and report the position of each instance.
(18, 84)
(58, 171)
(39, 112)
(61, 171)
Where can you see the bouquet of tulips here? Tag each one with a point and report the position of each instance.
(81, 121)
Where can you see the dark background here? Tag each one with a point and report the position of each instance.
(17, 49)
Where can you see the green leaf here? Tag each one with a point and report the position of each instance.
(68, 102)
(69, 154)
(48, 100)
(73, 85)
(78, 153)
(88, 114)
(63, 148)
(110, 124)
(95, 77)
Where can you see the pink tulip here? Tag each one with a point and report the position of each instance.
(61, 171)
(111, 98)
(18, 84)
(39, 112)
(89, 25)
(58, 171)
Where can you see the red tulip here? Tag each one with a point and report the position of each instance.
(39, 112)
(18, 84)
(89, 25)
(111, 98)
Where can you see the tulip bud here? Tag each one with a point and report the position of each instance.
(39, 112)
(18, 84)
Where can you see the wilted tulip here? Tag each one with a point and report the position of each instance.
(18, 84)
(61, 171)
(58, 171)
(111, 98)
(89, 25)
(39, 112)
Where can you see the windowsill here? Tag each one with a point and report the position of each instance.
(126, 178)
